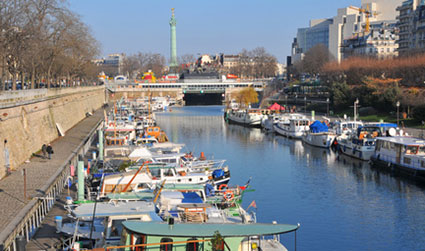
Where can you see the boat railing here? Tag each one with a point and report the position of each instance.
(155, 245)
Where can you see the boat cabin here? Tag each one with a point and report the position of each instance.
(183, 236)
(405, 151)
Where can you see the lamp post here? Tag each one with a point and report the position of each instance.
(305, 105)
(327, 107)
(355, 109)
(286, 102)
(296, 96)
(398, 111)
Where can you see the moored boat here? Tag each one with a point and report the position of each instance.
(319, 135)
(295, 127)
(183, 236)
(401, 154)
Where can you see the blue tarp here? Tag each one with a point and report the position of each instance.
(318, 127)
(191, 197)
(218, 173)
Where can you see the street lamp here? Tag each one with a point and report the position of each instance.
(305, 105)
(398, 111)
(355, 109)
(286, 102)
(296, 96)
(327, 107)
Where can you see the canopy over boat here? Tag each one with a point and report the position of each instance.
(276, 107)
(318, 127)
(207, 230)
(105, 209)
(141, 153)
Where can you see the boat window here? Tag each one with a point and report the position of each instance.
(422, 150)
(407, 160)
(142, 186)
(116, 228)
(423, 163)
(155, 173)
(412, 150)
(168, 173)
(193, 246)
(166, 247)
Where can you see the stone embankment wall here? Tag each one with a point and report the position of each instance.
(27, 123)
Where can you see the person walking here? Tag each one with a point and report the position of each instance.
(49, 150)
(44, 150)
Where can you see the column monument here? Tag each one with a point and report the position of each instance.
(173, 56)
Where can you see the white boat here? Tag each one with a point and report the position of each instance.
(268, 123)
(148, 177)
(346, 127)
(107, 226)
(319, 135)
(248, 117)
(295, 127)
(361, 144)
(401, 154)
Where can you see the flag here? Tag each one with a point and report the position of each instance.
(246, 185)
(253, 204)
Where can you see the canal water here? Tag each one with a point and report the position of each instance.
(341, 203)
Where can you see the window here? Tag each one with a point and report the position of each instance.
(407, 160)
(166, 247)
(193, 246)
(116, 228)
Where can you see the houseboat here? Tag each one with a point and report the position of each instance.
(401, 154)
(201, 236)
(295, 127)
(248, 117)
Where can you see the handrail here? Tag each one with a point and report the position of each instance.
(157, 244)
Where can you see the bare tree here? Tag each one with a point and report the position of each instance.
(314, 59)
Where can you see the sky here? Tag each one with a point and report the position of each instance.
(203, 26)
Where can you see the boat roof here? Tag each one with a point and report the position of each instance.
(203, 230)
(131, 196)
(140, 152)
(403, 140)
(105, 209)
(379, 124)
(183, 187)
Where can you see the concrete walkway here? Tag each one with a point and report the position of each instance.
(40, 170)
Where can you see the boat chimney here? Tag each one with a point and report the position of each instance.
(171, 222)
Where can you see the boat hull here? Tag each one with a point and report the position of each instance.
(323, 140)
(395, 168)
(363, 153)
(290, 134)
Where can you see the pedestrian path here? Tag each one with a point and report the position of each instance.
(40, 170)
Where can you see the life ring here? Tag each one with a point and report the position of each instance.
(220, 188)
(228, 195)
(111, 124)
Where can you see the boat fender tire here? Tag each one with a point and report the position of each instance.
(222, 187)
(228, 195)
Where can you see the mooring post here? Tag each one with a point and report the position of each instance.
(80, 176)
(100, 133)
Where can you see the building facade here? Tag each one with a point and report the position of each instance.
(348, 22)
(411, 26)
(307, 38)
(380, 42)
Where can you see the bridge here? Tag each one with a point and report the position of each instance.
(187, 90)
